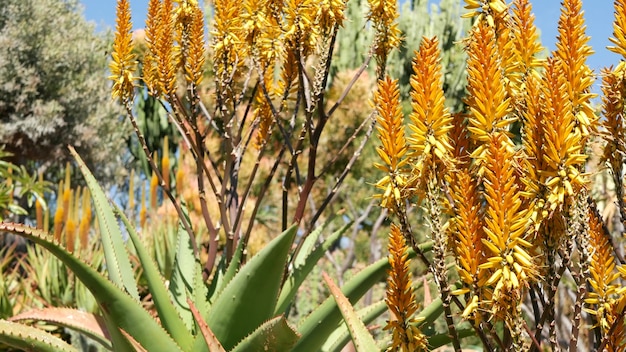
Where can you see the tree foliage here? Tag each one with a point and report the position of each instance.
(52, 94)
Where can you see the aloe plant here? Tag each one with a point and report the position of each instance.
(241, 309)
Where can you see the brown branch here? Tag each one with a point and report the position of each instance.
(157, 172)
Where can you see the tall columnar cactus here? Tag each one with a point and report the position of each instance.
(417, 18)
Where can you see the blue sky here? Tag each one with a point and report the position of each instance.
(598, 16)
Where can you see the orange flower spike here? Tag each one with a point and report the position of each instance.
(39, 214)
(67, 192)
(613, 94)
(227, 45)
(384, 16)
(165, 162)
(59, 214)
(523, 46)
(262, 31)
(487, 100)
(603, 278)
(533, 164)
(143, 212)
(467, 228)
(488, 11)
(40, 207)
(572, 52)
(459, 138)
(301, 31)
(562, 151)
(165, 51)
(331, 13)
(195, 58)
(85, 221)
(150, 71)
(71, 225)
(400, 298)
(263, 112)
(507, 251)
(526, 39)
(123, 64)
(154, 183)
(393, 148)
(430, 120)
(619, 29)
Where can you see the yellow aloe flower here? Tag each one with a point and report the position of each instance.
(400, 298)
(123, 63)
(394, 147)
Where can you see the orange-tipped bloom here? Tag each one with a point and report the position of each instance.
(384, 16)
(165, 51)
(330, 13)
(85, 220)
(523, 51)
(143, 212)
(123, 64)
(430, 119)
(488, 11)
(400, 298)
(59, 215)
(195, 55)
(603, 279)
(614, 93)
(533, 162)
(393, 148)
(227, 33)
(507, 252)
(619, 29)
(487, 100)
(165, 162)
(467, 228)
(263, 113)
(571, 54)
(526, 38)
(562, 152)
(154, 184)
(150, 73)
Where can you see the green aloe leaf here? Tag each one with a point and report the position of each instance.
(118, 264)
(184, 274)
(209, 337)
(121, 309)
(274, 335)
(340, 337)
(168, 314)
(220, 281)
(250, 297)
(320, 324)
(304, 262)
(363, 340)
(88, 324)
(28, 338)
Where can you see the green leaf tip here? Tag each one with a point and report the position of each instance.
(28, 338)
